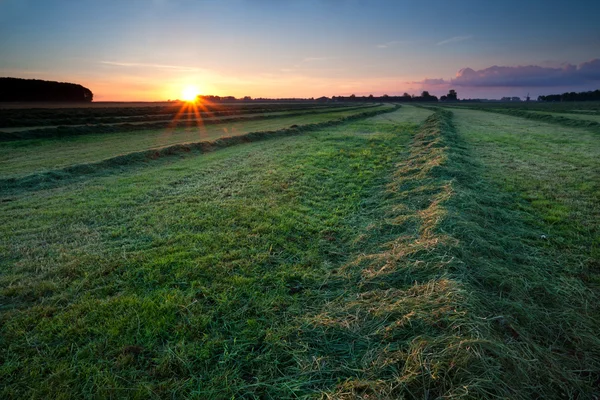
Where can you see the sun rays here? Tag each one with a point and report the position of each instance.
(193, 111)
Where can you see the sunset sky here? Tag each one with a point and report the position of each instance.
(153, 49)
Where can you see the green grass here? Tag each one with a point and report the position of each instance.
(555, 168)
(482, 294)
(20, 158)
(547, 113)
(581, 107)
(581, 116)
(539, 245)
(410, 114)
(184, 278)
(377, 259)
(185, 118)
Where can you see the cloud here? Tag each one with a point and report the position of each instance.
(312, 59)
(431, 81)
(388, 44)
(454, 39)
(158, 66)
(530, 76)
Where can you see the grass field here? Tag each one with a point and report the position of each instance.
(584, 116)
(419, 253)
(185, 118)
(24, 157)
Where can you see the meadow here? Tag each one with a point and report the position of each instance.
(371, 251)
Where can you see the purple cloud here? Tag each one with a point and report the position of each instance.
(531, 75)
(431, 81)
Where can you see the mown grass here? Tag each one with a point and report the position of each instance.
(43, 114)
(186, 278)
(75, 172)
(410, 114)
(470, 299)
(371, 260)
(581, 116)
(188, 118)
(565, 119)
(545, 254)
(24, 157)
(583, 107)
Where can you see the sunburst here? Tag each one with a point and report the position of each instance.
(190, 93)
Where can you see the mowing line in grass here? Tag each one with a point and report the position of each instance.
(337, 264)
(467, 301)
(186, 279)
(51, 177)
(20, 158)
(179, 120)
(591, 124)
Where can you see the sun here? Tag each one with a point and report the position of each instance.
(190, 93)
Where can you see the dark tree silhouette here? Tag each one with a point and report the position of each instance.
(15, 89)
(425, 96)
(572, 96)
(386, 98)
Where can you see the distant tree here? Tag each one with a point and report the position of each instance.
(572, 96)
(443, 98)
(15, 89)
(452, 95)
(425, 96)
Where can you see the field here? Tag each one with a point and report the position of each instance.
(307, 251)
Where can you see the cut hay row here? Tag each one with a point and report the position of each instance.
(124, 113)
(545, 117)
(66, 131)
(576, 116)
(50, 178)
(21, 158)
(464, 303)
(374, 259)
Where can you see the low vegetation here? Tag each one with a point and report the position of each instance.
(572, 121)
(418, 253)
(20, 158)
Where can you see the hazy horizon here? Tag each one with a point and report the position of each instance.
(152, 50)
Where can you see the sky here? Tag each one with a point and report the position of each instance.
(151, 50)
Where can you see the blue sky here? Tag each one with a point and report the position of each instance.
(150, 50)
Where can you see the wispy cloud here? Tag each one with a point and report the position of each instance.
(313, 59)
(388, 44)
(454, 39)
(145, 65)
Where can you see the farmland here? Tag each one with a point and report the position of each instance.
(285, 251)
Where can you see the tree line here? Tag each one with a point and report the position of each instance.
(405, 98)
(572, 96)
(16, 89)
(424, 97)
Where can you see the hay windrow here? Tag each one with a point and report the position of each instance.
(453, 308)
(46, 179)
